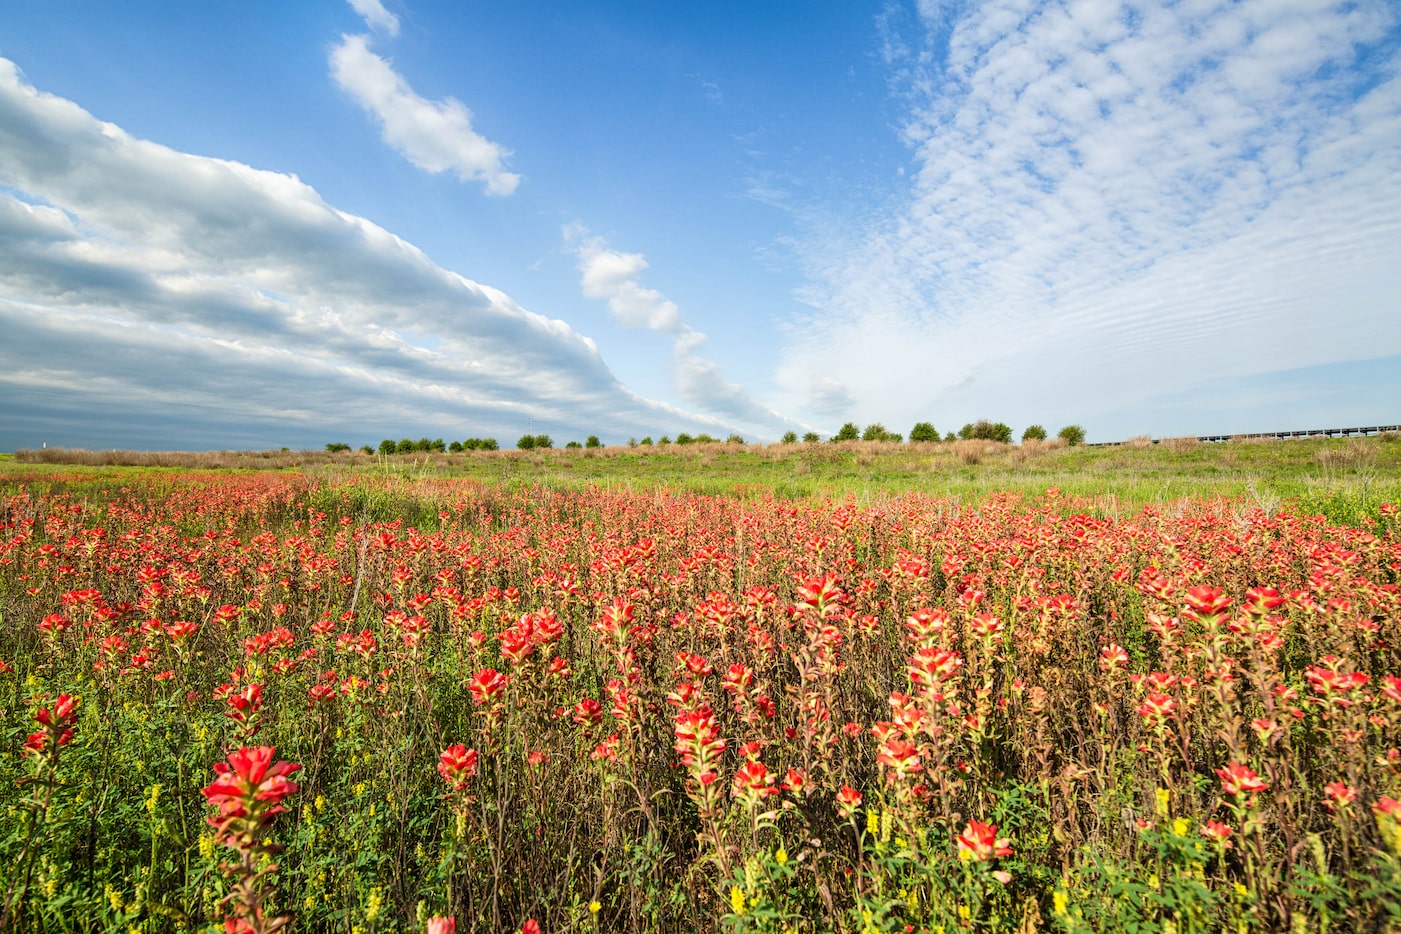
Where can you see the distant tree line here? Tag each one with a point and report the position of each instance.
(981, 430)
(423, 446)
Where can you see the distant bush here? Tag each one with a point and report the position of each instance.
(848, 432)
(335, 447)
(455, 447)
(877, 432)
(543, 442)
(366, 449)
(684, 438)
(647, 441)
(924, 431)
(1072, 435)
(526, 442)
(592, 442)
(569, 445)
(387, 446)
(1034, 433)
(790, 437)
(704, 438)
(664, 440)
(811, 437)
(734, 439)
(984, 430)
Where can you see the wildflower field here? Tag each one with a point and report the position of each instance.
(363, 703)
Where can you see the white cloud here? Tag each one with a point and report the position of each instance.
(178, 295)
(1114, 203)
(611, 275)
(435, 136)
(376, 16)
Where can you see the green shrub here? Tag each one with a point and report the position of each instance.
(984, 430)
(848, 432)
(1034, 433)
(526, 442)
(1072, 435)
(924, 431)
(790, 437)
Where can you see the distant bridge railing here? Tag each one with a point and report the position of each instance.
(1276, 435)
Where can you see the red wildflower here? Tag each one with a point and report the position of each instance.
(979, 842)
(1237, 780)
(753, 779)
(1340, 795)
(486, 685)
(458, 765)
(1112, 657)
(248, 792)
(1215, 830)
(900, 757)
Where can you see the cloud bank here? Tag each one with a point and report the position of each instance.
(1115, 202)
(199, 300)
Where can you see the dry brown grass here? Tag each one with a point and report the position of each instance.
(1178, 445)
(1356, 454)
(1139, 441)
(191, 460)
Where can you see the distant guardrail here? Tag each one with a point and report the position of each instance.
(1274, 435)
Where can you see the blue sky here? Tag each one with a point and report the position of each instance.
(275, 224)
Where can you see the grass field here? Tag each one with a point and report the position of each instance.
(865, 688)
(1342, 477)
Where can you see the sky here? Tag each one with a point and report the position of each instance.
(253, 225)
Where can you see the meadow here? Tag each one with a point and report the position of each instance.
(855, 688)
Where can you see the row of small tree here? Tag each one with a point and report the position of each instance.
(981, 430)
(422, 445)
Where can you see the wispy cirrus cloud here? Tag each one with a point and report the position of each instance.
(436, 136)
(611, 275)
(376, 16)
(1111, 200)
(153, 297)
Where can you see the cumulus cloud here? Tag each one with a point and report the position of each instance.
(176, 294)
(613, 276)
(1116, 203)
(376, 16)
(435, 136)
